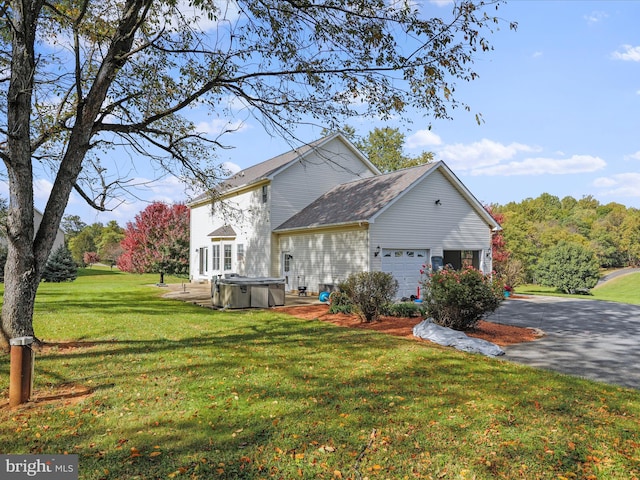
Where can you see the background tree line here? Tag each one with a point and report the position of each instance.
(537, 225)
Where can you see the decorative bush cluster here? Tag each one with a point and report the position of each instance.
(569, 267)
(404, 310)
(339, 303)
(458, 299)
(369, 292)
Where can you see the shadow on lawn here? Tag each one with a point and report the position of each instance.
(250, 395)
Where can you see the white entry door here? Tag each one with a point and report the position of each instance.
(405, 266)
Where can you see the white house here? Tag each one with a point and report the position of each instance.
(37, 219)
(319, 213)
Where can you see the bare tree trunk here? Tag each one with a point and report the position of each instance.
(21, 274)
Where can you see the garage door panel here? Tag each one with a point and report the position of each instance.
(405, 265)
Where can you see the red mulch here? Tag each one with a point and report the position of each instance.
(494, 332)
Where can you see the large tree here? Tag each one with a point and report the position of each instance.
(383, 147)
(157, 241)
(80, 76)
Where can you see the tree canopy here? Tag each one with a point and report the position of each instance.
(157, 241)
(383, 147)
(536, 225)
(85, 76)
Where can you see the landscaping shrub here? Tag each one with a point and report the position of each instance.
(569, 267)
(369, 292)
(60, 266)
(404, 310)
(339, 303)
(458, 299)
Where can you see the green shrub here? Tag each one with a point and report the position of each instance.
(339, 303)
(60, 266)
(458, 299)
(404, 310)
(569, 267)
(369, 292)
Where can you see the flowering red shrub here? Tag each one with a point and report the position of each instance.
(459, 299)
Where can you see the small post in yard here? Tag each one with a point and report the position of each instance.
(21, 372)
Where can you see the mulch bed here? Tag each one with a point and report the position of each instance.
(403, 327)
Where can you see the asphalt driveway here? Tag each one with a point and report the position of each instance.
(587, 338)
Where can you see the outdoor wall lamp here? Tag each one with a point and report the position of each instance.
(377, 252)
(438, 202)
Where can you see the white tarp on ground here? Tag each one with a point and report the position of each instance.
(453, 338)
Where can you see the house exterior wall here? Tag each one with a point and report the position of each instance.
(59, 240)
(37, 219)
(249, 217)
(326, 256)
(416, 222)
(319, 171)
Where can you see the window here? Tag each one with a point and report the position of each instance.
(204, 260)
(265, 193)
(215, 254)
(240, 253)
(227, 257)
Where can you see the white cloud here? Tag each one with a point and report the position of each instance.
(441, 3)
(595, 17)
(623, 184)
(231, 167)
(480, 154)
(630, 53)
(537, 54)
(545, 166)
(41, 191)
(423, 138)
(633, 156)
(218, 126)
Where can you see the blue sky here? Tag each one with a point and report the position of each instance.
(560, 99)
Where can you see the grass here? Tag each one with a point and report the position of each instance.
(189, 393)
(622, 289)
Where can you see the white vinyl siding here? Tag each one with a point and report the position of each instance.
(305, 181)
(325, 256)
(249, 218)
(416, 222)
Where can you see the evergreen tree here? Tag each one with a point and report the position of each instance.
(60, 267)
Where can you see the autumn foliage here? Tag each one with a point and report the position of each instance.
(157, 241)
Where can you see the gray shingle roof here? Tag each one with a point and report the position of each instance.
(226, 231)
(356, 201)
(263, 170)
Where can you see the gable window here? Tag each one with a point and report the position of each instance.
(215, 255)
(227, 257)
(265, 193)
(204, 260)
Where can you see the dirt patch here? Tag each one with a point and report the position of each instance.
(62, 395)
(403, 327)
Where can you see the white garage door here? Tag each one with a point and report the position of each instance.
(405, 266)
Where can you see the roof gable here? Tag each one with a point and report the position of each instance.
(364, 200)
(357, 201)
(226, 231)
(269, 168)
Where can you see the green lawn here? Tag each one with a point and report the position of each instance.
(625, 289)
(189, 393)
